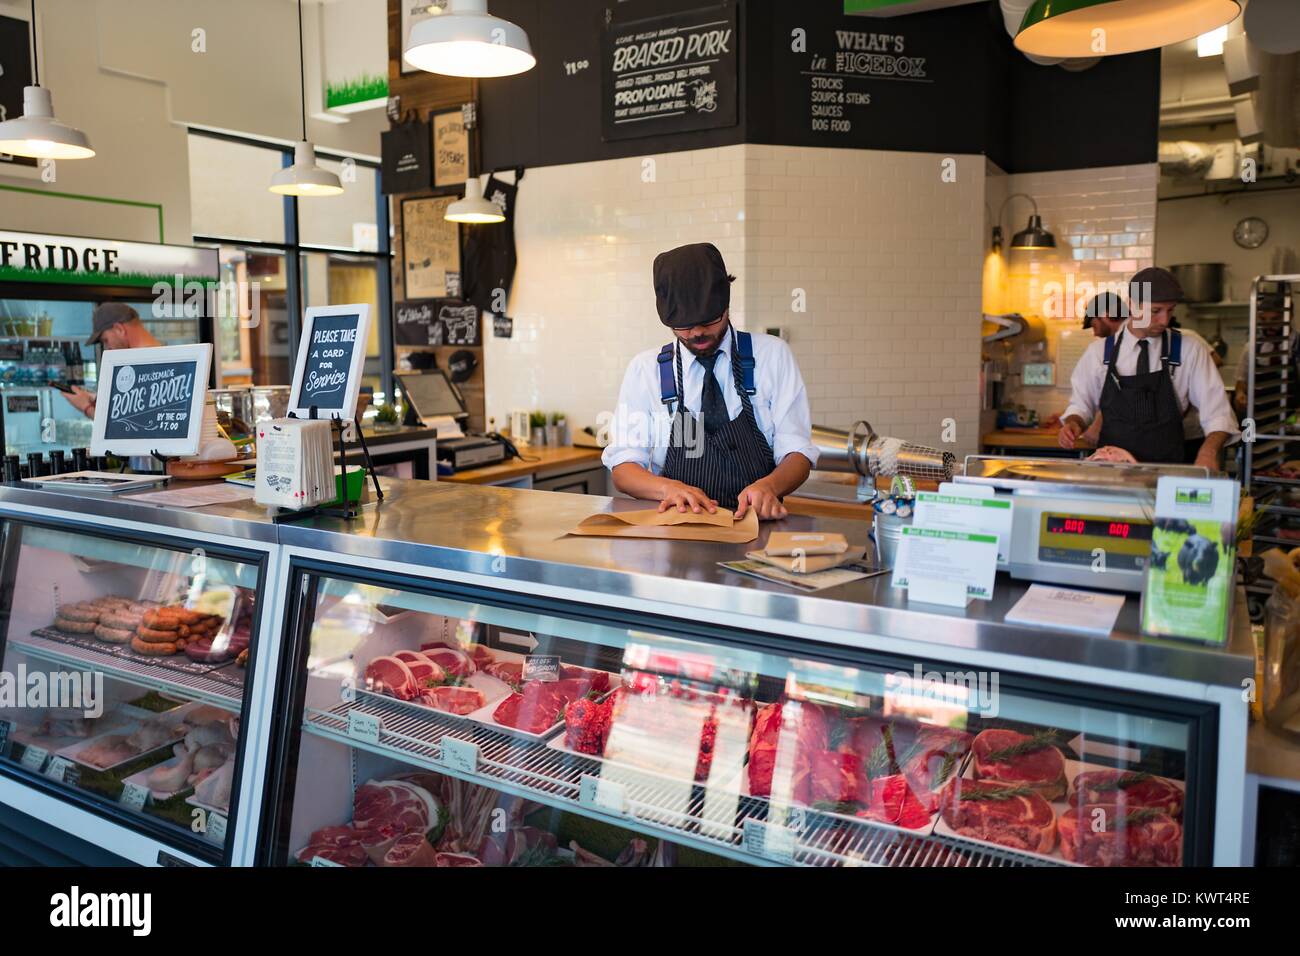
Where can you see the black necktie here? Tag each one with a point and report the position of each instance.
(1144, 359)
(712, 405)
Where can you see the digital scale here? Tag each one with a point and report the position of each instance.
(1080, 523)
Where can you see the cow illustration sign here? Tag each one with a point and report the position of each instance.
(151, 400)
(331, 358)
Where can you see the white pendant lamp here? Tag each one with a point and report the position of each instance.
(1085, 28)
(466, 40)
(474, 210)
(37, 134)
(304, 178)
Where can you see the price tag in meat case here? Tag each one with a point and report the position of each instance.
(605, 795)
(769, 840)
(34, 758)
(459, 755)
(216, 827)
(58, 769)
(321, 861)
(362, 726)
(134, 796)
(5, 728)
(543, 667)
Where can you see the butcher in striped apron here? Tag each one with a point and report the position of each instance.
(733, 426)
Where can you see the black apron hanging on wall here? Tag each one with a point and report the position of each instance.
(406, 153)
(488, 262)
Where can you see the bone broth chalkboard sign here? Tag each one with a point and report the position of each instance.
(331, 358)
(151, 400)
(671, 74)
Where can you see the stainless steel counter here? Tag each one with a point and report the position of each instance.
(462, 528)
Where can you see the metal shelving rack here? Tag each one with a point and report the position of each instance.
(1271, 388)
(718, 820)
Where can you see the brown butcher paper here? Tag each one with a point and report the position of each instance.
(672, 525)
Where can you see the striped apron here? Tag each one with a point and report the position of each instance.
(723, 463)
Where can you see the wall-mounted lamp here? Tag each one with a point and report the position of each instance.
(1033, 236)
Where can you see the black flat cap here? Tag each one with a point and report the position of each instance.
(1104, 305)
(1154, 285)
(691, 286)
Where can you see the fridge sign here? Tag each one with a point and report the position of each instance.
(331, 359)
(151, 400)
(72, 260)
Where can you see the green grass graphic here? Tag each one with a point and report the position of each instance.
(360, 90)
(81, 277)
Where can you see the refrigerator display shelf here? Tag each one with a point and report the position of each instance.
(190, 686)
(653, 805)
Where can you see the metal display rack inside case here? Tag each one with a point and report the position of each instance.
(1272, 395)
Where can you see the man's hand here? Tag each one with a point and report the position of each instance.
(1208, 455)
(679, 495)
(762, 497)
(1071, 428)
(82, 400)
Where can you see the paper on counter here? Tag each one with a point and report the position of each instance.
(446, 425)
(1089, 611)
(805, 564)
(199, 497)
(792, 543)
(671, 525)
(816, 581)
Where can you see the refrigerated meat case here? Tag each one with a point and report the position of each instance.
(451, 680)
(462, 684)
(134, 748)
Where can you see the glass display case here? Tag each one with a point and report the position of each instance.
(437, 725)
(125, 662)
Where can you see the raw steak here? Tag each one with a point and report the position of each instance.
(388, 675)
(512, 672)
(424, 670)
(894, 802)
(1107, 834)
(838, 778)
(453, 700)
(599, 679)
(481, 656)
(512, 847)
(411, 849)
(1042, 768)
(393, 806)
(536, 708)
(457, 859)
(352, 854)
(1128, 789)
(451, 659)
(1012, 816)
(810, 733)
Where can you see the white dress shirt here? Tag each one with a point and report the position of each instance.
(1197, 382)
(642, 424)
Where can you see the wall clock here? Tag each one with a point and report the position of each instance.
(1250, 233)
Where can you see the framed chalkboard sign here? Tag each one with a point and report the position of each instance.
(151, 400)
(331, 358)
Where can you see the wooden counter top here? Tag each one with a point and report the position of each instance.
(548, 459)
(1025, 438)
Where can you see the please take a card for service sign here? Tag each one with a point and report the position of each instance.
(331, 359)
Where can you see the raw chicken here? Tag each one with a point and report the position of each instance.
(214, 790)
(152, 734)
(210, 757)
(171, 776)
(215, 732)
(107, 751)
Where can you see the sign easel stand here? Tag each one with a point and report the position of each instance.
(347, 509)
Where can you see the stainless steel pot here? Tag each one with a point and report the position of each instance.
(1201, 281)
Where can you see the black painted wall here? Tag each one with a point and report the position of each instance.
(978, 95)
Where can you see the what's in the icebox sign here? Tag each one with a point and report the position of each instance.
(150, 400)
(331, 348)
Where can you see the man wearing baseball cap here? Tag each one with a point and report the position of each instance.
(1142, 380)
(114, 325)
(1105, 315)
(717, 417)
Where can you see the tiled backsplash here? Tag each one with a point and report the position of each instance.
(885, 249)
(1104, 223)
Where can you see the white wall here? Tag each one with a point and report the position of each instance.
(124, 72)
(887, 253)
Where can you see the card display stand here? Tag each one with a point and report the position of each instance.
(344, 506)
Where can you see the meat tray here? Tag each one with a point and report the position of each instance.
(483, 717)
(173, 662)
(177, 714)
(140, 778)
(1072, 769)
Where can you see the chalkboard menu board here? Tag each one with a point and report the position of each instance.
(670, 74)
(437, 322)
(331, 359)
(151, 400)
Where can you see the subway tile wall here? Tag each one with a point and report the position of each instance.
(881, 252)
(1104, 223)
